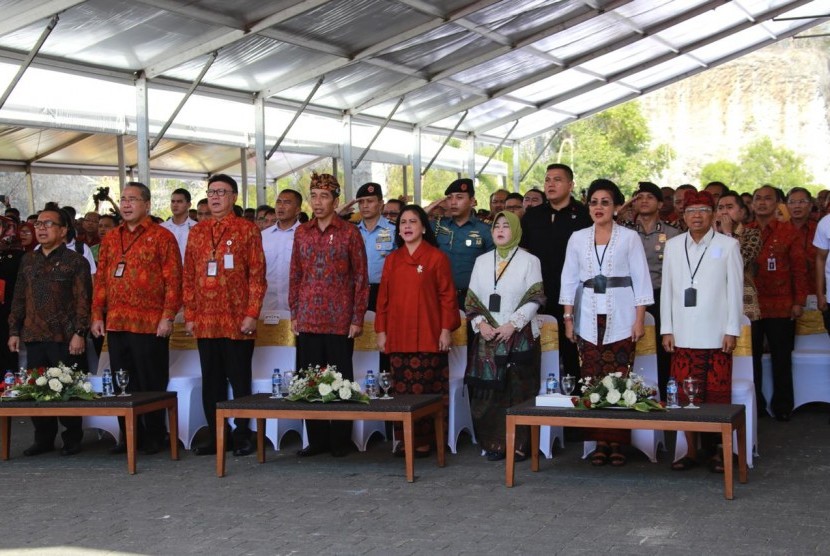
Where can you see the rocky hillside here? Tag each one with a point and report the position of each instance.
(781, 91)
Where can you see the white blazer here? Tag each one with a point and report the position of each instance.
(624, 256)
(719, 283)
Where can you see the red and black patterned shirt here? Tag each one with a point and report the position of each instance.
(782, 270)
(217, 304)
(139, 278)
(329, 282)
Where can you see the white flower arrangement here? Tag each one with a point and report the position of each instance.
(615, 390)
(316, 384)
(59, 383)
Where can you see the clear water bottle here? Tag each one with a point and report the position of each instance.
(276, 385)
(551, 384)
(671, 393)
(8, 380)
(107, 390)
(371, 384)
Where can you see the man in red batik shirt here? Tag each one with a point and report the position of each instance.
(138, 284)
(782, 293)
(224, 284)
(328, 294)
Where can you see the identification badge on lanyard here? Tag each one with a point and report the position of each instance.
(119, 269)
(228, 261)
(495, 303)
(690, 297)
(771, 266)
(212, 268)
(600, 283)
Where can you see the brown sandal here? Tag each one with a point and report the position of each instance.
(600, 456)
(617, 457)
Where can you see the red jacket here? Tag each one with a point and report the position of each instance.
(780, 289)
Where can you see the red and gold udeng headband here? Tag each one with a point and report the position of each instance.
(326, 182)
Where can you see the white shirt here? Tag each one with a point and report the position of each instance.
(624, 256)
(822, 241)
(93, 268)
(277, 245)
(524, 271)
(719, 282)
(181, 231)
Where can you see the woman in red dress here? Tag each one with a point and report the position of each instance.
(416, 312)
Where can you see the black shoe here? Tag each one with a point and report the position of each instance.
(71, 449)
(495, 456)
(245, 448)
(205, 450)
(37, 449)
(339, 452)
(309, 451)
(120, 448)
(152, 447)
(783, 417)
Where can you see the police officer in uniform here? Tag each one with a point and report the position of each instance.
(462, 236)
(654, 233)
(377, 232)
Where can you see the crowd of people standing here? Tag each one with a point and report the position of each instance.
(696, 260)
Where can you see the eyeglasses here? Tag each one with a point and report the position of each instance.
(599, 203)
(390, 214)
(130, 200)
(794, 203)
(698, 210)
(218, 192)
(45, 224)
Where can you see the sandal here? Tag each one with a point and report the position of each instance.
(520, 456)
(495, 456)
(716, 464)
(617, 457)
(600, 456)
(683, 464)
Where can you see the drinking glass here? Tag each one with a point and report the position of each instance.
(287, 377)
(122, 377)
(692, 388)
(22, 376)
(385, 382)
(568, 384)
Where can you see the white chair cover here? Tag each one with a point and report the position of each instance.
(743, 392)
(365, 357)
(811, 359)
(275, 349)
(549, 340)
(460, 417)
(647, 441)
(103, 423)
(186, 381)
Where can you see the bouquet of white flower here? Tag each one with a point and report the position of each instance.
(615, 390)
(59, 383)
(324, 385)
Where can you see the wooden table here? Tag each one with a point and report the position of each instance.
(138, 403)
(718, 418)
(405, 408)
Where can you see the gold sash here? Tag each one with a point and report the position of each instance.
(459, 335)
(275, 335)
(549, 336)
(811, 322)
(368, 341)
(647, 345)
(743, 347)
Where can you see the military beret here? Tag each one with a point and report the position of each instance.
(463, 185)
(369, 190)
(648, 187)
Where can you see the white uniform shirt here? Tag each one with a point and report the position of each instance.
(624, 256)
(822, 241)
(277, 245)
(719, 282)
(181, 231)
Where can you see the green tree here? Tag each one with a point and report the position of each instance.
(761, 162)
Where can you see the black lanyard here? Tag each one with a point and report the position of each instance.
(130, 246)
(700, 260)
(604, 252)
(495, 266)
(215, 243)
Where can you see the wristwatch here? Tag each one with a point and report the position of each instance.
(81, 332)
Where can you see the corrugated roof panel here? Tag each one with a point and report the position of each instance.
(112, 33)
(503, 70)
(251, 64)
(506, 11)
(354, 24)
(731, 44)
(535, 124)
(705, 25)
(584, 37)
(587, 103)
(555, 85)
(430, 99)
(423, 50)
(662, 72)
(347, 87)
(489, 111)
(646, 13)
(626, 57)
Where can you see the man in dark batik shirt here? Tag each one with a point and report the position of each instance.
(328, 295)
(50, 313)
